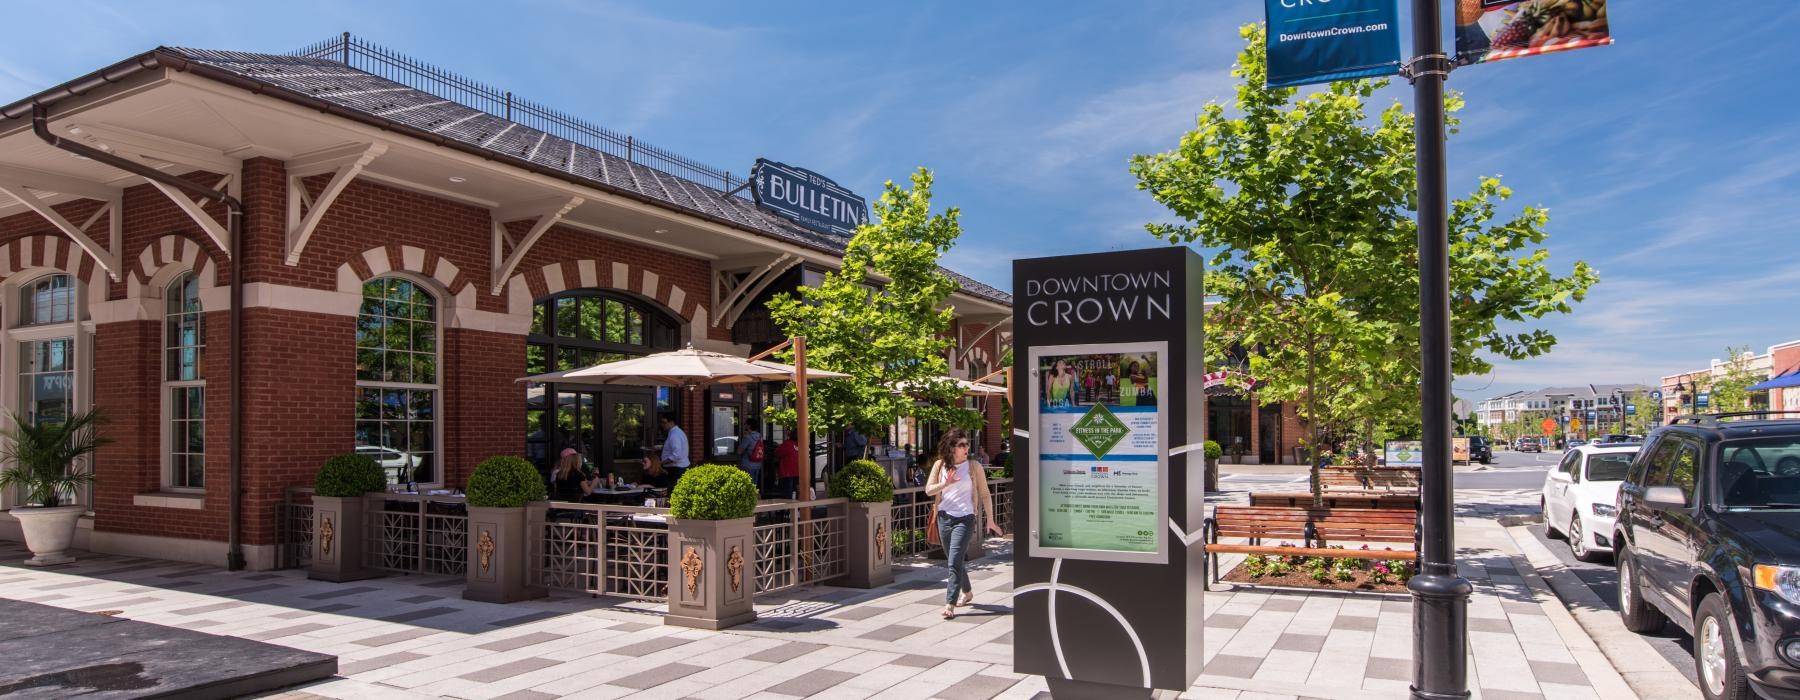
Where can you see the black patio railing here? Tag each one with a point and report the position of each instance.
(360, 54)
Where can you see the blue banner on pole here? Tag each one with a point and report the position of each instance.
(1318, 41)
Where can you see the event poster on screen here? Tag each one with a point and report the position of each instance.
(1099, 446)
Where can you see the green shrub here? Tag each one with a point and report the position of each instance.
(505, 482)
(713, 492)
(1213, 451)
(862, 481)
(349, 475)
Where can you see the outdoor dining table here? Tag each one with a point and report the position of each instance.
(1337, 499)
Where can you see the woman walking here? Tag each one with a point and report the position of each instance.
(959, 485)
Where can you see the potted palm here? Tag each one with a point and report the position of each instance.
(499, 491)
(712, 548)
(44, 460)
(338, 516)
(871, 495)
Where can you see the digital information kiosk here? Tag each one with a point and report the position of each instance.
(1107, 576)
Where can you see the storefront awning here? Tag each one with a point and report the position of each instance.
(1788, 379)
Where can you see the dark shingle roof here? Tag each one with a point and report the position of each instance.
(393, 102)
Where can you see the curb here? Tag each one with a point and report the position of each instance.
(1645, 671)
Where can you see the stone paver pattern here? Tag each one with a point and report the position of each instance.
(411, 636)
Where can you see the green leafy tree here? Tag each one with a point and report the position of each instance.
(1645, 419)
(1309, 203)
(882, 319)
(1730, 384)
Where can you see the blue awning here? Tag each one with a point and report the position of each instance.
(1790, 378)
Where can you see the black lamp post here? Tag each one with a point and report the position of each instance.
(1440, 596)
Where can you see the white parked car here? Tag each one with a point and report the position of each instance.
(1580, 497)
(397, 464)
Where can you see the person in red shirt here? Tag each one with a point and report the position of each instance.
(787, 458)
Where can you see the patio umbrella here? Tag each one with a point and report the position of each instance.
(684, 367)
(968, 388)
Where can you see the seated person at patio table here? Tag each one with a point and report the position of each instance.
(570, 482)
(655, 476)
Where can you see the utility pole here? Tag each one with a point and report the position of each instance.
(1440, 596)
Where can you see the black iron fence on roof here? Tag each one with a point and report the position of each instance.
(392, 65)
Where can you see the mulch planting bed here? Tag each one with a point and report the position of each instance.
(1299, 578)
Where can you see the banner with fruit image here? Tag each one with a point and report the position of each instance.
(1493, 30)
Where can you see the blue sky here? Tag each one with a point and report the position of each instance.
(1669, 161)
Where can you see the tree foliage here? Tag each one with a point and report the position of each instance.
(1309, 203)
(882, 319)
(1729, 385)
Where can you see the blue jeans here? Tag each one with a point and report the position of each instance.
(954, 532)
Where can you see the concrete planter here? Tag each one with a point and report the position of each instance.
(499, 553)
(338, 539)
(871, 533)
(49, 532)
(712, 573)
(1212, 474)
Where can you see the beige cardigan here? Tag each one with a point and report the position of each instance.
(984, 500)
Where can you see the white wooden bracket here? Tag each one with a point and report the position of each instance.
(736, 295)
(160, 152)
(505, 254)
(994, 323)
(303, 211)
(20, 185)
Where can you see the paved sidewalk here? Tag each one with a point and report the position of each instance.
(413, 636)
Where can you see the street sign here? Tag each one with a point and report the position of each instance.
(1655, 396)
(1704, 399)
(1549, 426)
(1575, 424)
(1631, 409)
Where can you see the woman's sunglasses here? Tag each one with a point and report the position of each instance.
(960, 443)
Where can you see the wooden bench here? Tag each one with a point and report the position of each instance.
(1313, 528)
(1369, 478)
(1336, 499)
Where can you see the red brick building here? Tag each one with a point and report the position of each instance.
(403, 259)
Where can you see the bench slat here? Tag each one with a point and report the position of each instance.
(1311, 552)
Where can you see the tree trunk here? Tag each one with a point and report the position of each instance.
(1312, 420)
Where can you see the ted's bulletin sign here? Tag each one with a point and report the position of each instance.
(808, 198)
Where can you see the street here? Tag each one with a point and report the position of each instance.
(1526, 470)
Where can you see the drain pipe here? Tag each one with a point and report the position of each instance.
(40, 125)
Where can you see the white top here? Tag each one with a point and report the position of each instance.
(675, 448)
(958, 497)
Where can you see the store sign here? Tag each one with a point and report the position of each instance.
(1318, 41)
(1404, 453)
(808, 198)
(1493, 30)
(1111, 504)
(1459, 450)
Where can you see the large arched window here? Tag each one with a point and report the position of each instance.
(397, 379)
(585, 327)
(184, 384)
(47, 354)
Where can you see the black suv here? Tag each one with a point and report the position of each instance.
(1480, 450)
(1708, 535)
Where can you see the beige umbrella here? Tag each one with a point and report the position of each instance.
(968, 388)
(683, 367)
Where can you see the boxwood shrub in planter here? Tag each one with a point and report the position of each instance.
(712, 548)
(499, 540)
(862, 481)
(871, 495)
(338, 519)
(1213, 452)
(713, 492)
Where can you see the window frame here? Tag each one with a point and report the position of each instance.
(435, 388)
(78, 330)
(168, 386)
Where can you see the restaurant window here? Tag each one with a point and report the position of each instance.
(47, 355)
(580, 328)
(397, 379)
(48, 300)
(184, 384)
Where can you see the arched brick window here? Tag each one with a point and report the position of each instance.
(397, 379)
